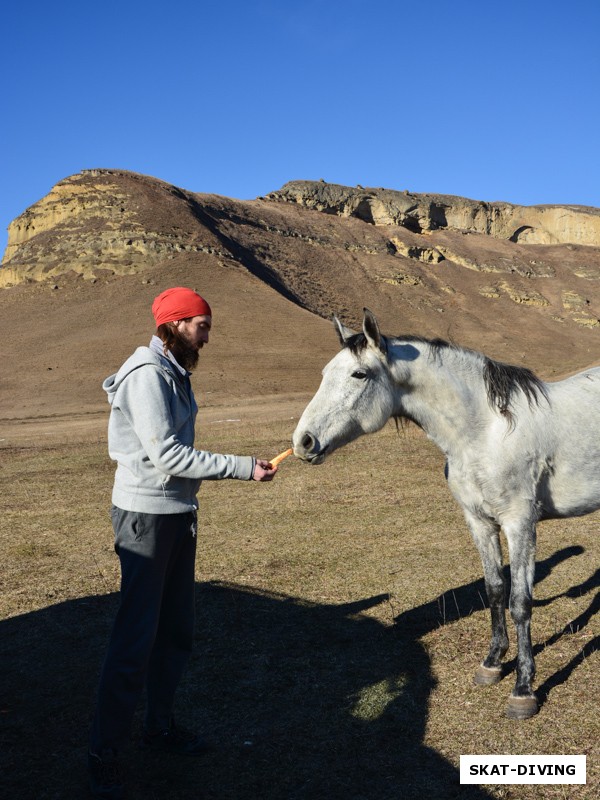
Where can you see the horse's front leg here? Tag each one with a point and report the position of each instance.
(486, 535)
(521, 539)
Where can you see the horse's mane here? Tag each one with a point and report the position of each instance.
(501, 380)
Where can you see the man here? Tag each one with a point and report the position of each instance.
(151, 437)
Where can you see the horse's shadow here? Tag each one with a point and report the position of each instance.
(461, 602)
(304, 701)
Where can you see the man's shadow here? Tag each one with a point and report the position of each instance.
(303, 701)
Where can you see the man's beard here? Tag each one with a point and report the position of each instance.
(185, 354)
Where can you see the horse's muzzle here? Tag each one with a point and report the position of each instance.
(309, 449)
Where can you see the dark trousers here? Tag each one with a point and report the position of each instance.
(152, 635)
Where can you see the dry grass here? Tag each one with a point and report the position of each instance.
(340, 619)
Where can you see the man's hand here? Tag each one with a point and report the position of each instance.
(263, 470)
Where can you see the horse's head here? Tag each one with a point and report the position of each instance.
(356, 395)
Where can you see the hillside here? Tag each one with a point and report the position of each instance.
(83, 264)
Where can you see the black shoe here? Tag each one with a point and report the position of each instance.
(106, 782)
(176, 740)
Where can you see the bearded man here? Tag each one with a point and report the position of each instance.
(154, 516)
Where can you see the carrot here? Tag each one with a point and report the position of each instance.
(278, 459)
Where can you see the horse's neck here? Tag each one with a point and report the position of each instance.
(444, 394)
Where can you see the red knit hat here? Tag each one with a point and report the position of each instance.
(179, 303)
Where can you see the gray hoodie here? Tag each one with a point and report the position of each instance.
(151, 437)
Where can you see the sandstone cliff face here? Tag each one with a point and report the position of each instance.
(428, 212)
(430, 264)
(101, 221)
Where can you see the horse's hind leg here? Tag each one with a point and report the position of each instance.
(487, 539)
(522, 703)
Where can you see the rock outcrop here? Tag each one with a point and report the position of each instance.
(421, 213)
(101, 221)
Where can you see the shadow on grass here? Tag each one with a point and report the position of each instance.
(303, 701)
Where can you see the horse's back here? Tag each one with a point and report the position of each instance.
(574, 405)
(587, 381)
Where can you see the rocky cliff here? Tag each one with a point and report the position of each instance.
(428, 212)
(100, 221)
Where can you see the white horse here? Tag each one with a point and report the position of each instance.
(518, 450)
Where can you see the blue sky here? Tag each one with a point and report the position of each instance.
(493, 101)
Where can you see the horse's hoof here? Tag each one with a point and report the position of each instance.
(486, 676)
(522, 707)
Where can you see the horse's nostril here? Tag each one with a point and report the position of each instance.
(308, 442)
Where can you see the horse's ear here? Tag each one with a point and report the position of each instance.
(372, 332)
(343, 332)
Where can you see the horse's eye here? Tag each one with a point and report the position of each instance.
(360, 374)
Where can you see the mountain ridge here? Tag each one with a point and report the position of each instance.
(84, 263)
